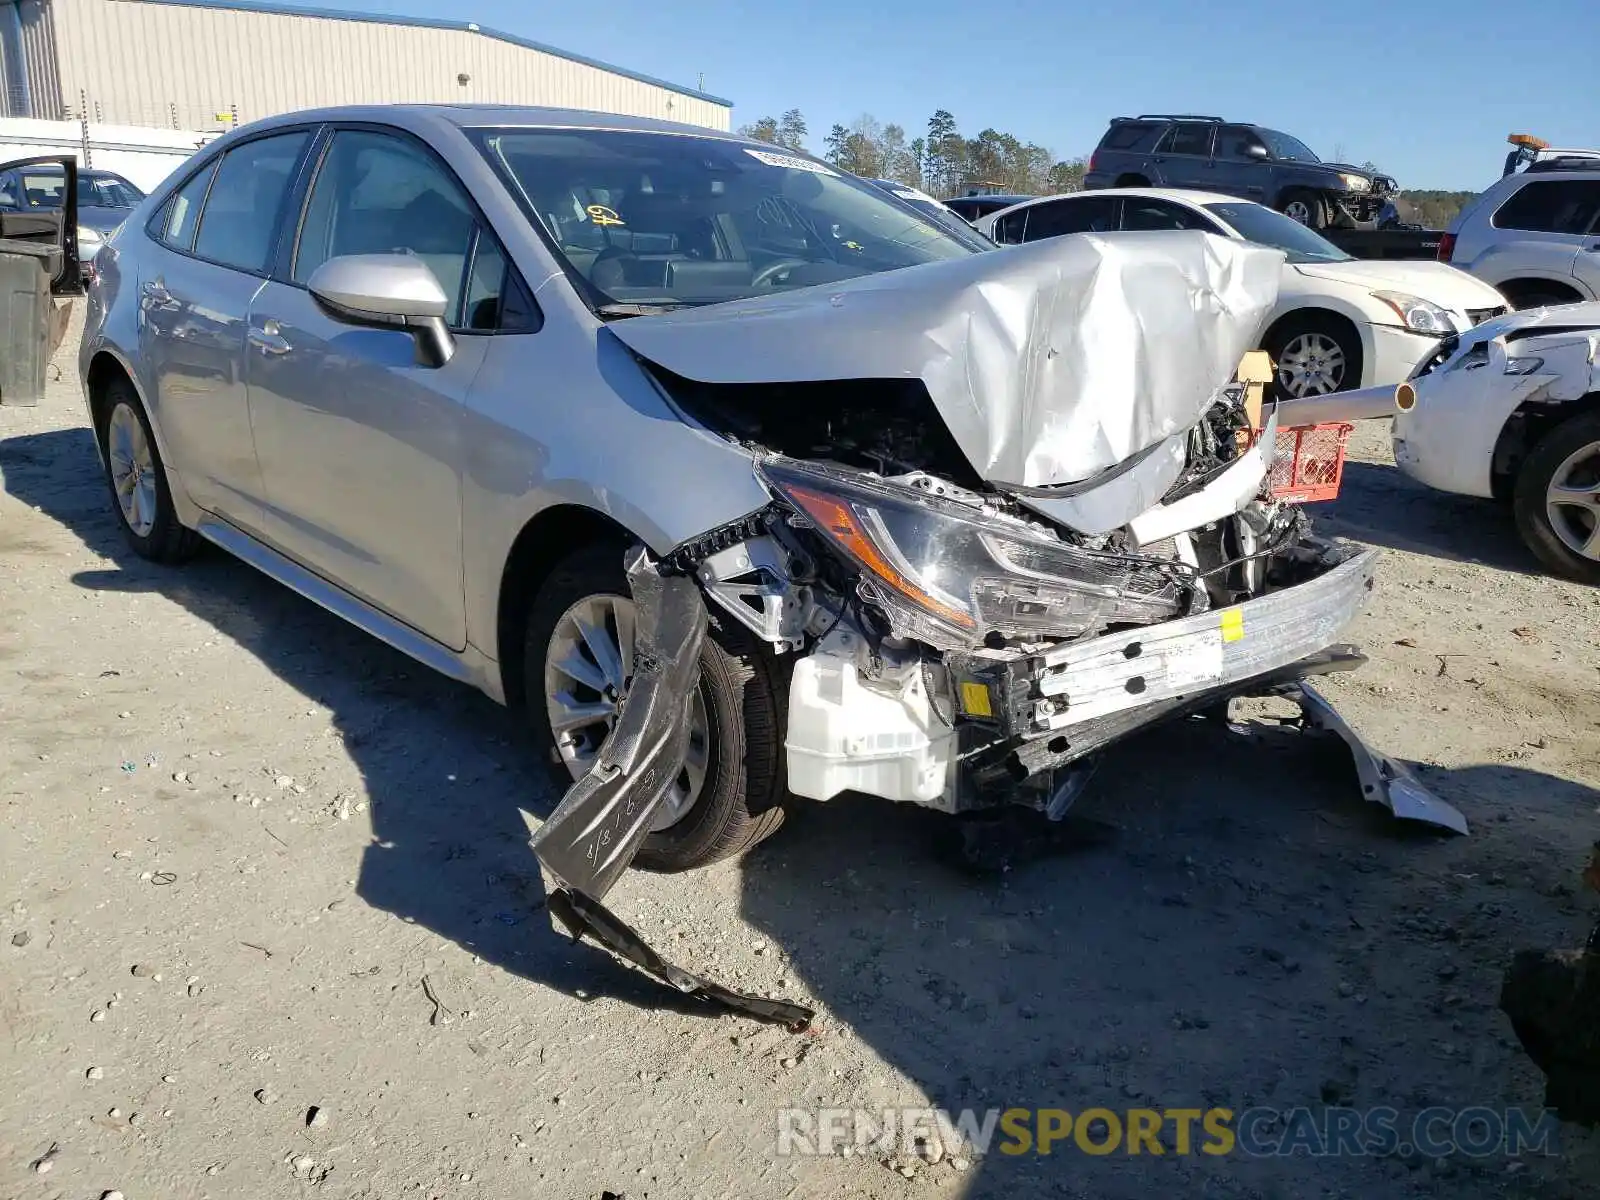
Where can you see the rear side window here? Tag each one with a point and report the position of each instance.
(1091, 214)
(1552, 206)
(239, 224)
(1130, 135)
(1189, 137)
(183, 211)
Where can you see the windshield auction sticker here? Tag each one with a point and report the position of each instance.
(790, 161)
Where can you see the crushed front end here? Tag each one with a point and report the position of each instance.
(957, 649)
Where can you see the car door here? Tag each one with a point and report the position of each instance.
(213, 241)
(1586, 263)
(1182, 157)
(1240, 164)
(1543, 230)
(358, 442)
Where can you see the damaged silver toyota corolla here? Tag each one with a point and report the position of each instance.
(748, 479)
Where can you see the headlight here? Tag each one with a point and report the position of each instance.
(1523, 366)
(1418, 315)
(947, 574)
(1356, 183)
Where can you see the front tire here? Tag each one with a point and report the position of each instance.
(1314, 355)
(136, 477)
(1308, 208)
(729, 797)
(1557, 500)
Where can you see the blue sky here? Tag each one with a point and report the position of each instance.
(1427, 91)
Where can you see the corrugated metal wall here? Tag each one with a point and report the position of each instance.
(167, 64)
(38, 59)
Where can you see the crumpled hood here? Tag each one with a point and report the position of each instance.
(1557, 318)
(1049, 362)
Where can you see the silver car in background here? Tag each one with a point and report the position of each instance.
(747, 479)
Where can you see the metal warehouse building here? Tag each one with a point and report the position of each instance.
(191, 64)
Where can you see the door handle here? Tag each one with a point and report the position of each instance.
(269, 339)
(156, 291)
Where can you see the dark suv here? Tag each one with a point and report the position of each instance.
(1213, 155)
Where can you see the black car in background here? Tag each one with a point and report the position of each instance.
(1238, 159)
(104, 200)
(970, 208)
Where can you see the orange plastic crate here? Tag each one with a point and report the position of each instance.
(1309, 464)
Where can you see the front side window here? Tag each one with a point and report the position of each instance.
(1142, 213)
(649, 218)
(377, 193)
(1087, 214)
(1552, 206)
(1259, 224)
(239, 224)
(1237, 141)
(1287, 149)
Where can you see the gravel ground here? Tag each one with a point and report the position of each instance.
(252, 863)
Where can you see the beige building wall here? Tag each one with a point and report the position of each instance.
(140, 62)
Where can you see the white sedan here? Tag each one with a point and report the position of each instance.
(1512, 411)
(1340, 323)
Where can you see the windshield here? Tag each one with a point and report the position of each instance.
(107, 191)
(651, 218)
(1287, 148)
(43, 190)
(1259, 224)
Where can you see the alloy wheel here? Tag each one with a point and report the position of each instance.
(1312, 364)
(588, 667)
(1298, 210)
(1572, 502)
(133, 471)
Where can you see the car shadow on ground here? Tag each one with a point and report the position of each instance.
(1380, 505)
(1248, 937)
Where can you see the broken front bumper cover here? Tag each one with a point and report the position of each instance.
(605, 817)
(1068, 702)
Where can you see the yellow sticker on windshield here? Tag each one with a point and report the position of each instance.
(601, 215)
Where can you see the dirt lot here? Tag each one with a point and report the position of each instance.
(241, 846)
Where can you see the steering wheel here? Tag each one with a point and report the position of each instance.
(765, 276)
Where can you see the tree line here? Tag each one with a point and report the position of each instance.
(939, 160)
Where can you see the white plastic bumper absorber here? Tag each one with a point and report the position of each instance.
(847, 733)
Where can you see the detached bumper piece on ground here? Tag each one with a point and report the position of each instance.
(599, 825)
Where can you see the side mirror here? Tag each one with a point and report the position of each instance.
(387, 291)
(1255, 150)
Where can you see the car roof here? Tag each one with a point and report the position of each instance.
(1193, 199)
(479, 116)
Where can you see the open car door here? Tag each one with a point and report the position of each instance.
(39, 205)
(38, 266)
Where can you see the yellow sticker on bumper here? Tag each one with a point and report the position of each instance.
(1233, 625)
(975, 700)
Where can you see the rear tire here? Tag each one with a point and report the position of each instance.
(1568, 455)
(136, 478)
(1538, 298)
(739, 802)
(1125, 181)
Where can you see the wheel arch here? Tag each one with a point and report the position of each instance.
(548, 537)
(1522, 286)
(1524, 429)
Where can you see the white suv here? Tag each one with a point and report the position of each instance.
(1534, 235)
